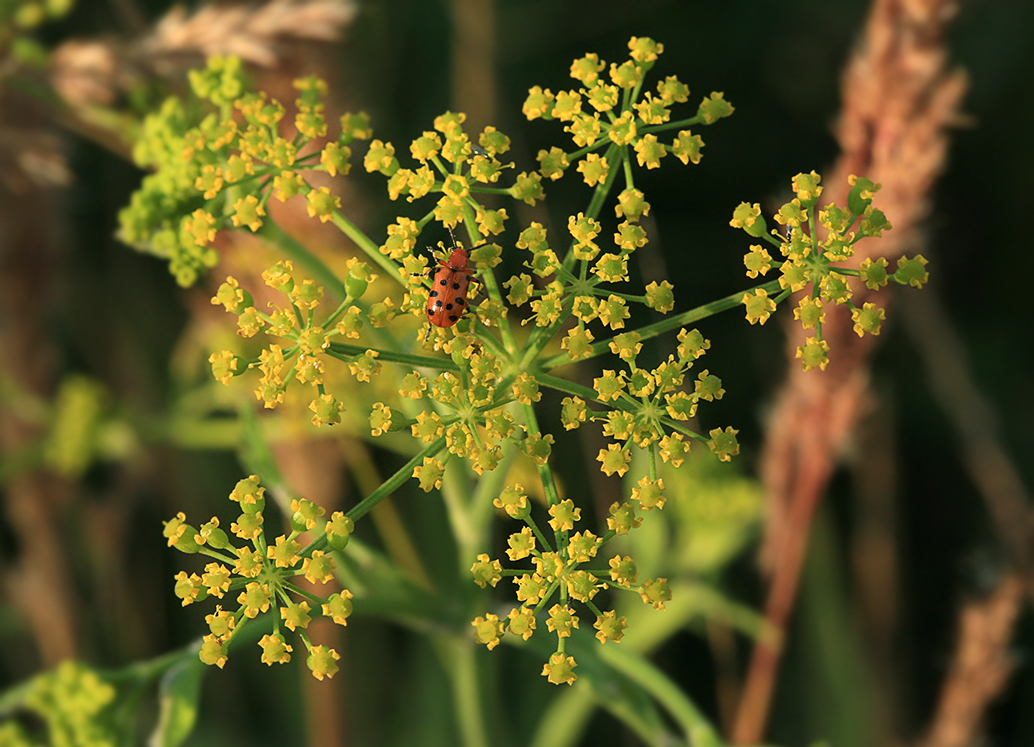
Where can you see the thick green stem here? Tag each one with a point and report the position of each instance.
(458, 656)
(564, 721)
(455, 491)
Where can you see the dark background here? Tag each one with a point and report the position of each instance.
(118, 314)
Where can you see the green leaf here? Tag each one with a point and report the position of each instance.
(254, 453)
(178, 694)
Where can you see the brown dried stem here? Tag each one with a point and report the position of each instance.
(899, 98)
(91, 76)
(980, 665)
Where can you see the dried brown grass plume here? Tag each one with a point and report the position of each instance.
(900, 96)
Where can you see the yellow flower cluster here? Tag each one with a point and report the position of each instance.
(231, 159)
(260, 575)
(307, 344)
(479, 402)
(71, 704)
(817, 246)
(564, 568)
(611, 112)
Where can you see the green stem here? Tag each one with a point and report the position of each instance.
(545, 473)
(152, 669)
(488, 279)
(365, 243)
(297, 252)
(671, 125)
(458, 657)
(345, 351)
(488, 488)
(698, 730)
(540, 337)
(631, 406)
(455, 489)
(564, 721)
(666, 325)
(395, 481)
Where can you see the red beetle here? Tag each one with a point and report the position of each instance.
(448, 299)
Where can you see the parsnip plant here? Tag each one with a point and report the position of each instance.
(460, 395)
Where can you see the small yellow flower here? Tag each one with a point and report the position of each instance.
(488, 630)
(429, 474)
(538, 104)
(319, 568)
(610, 626)
(213, 651)
(334, 158)
(564, 515)
(593, 168)
(813, 353)
(587, 69)
(649, 493)
(649, 152)
(486, 572)
(221, 623)
(224, 366)
(323, 204)
(724, 443)
(526, 389)
(613, 311)
(521, 544)
(757, 261)
(759, 306)
(248, 212)
(562, 621)
(560, 669)
(567, 105)
(200, 226)
(255, 599)
(249, 494)
(867, 319)
(622, 130)
(614, 459)
(521, 622)
(810, 312)
(275, 650)
(339, 607)
(322, 662)
(296, 615)
(514, 501)
(285, 552)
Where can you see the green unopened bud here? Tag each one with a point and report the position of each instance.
(305, 513)
(358, 280)
(862, 191)
(339, 529)
(384, 419)
(249, 495)
(212, 535)
(749, 218)
(180, 534)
